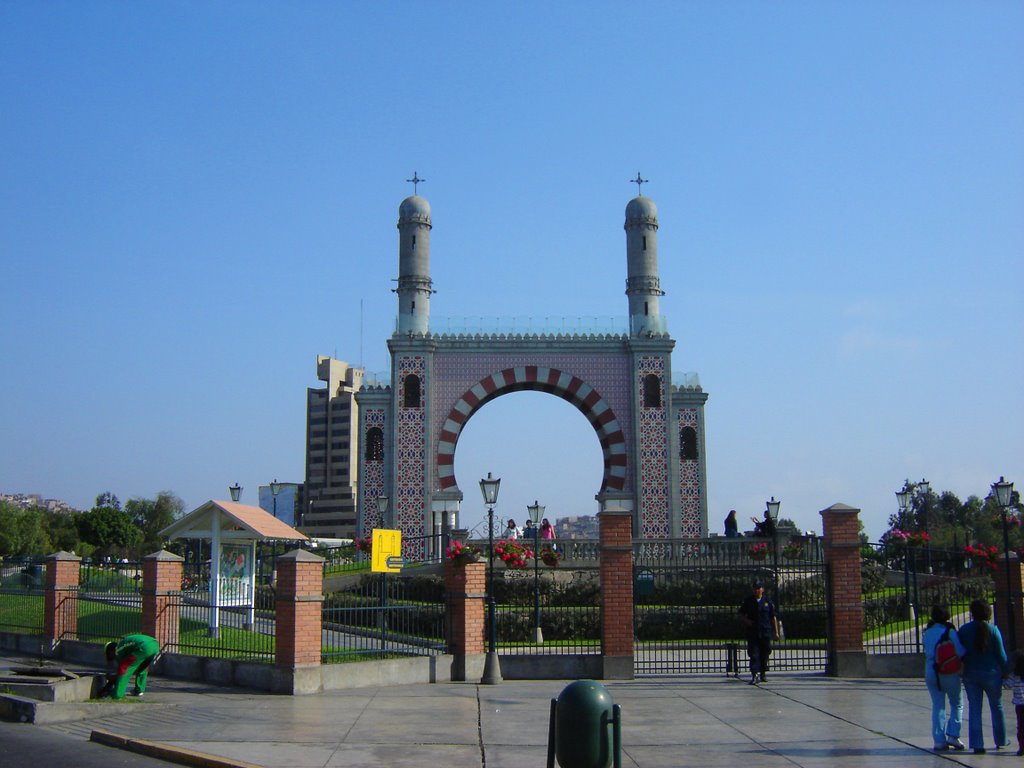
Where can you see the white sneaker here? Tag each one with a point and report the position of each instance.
(136, 693)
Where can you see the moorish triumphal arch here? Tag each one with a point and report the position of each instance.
(651, 431)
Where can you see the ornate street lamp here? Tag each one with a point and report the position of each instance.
(235, 491)
(536, 513)
(903, 498)
(772, 507)
(382, 507)
(1004, 497)
(492, 667)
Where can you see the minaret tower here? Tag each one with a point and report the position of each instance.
(642, 284)
(414, 285)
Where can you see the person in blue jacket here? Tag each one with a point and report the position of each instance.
(945, 733)
(984, 670)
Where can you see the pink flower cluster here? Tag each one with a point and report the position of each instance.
(987, 556)
(512, 553)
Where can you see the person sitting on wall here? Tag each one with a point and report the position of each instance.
(764, 528)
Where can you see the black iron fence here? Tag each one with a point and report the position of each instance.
(687, 595)
(21, 595)
(383, 615)
(900, 588)
(562, 603)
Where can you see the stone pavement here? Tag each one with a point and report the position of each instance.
(667, 722)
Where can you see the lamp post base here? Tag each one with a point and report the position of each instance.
(492, 670)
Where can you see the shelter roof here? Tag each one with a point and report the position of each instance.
(236, 521)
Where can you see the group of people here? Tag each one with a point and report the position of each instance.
(545, 531)
(980, 668)
(764, 527)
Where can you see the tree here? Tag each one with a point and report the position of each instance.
(110, 530)
(21, 531)
(151, 516)
(107, 499)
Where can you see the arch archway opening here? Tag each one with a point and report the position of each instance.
(541, 446)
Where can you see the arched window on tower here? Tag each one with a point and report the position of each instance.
(688, 444)
(375, 444)
(652, 391)
(411, 391)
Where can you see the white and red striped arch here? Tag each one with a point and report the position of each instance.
(538, 378)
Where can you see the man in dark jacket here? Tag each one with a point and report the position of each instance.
(762, 623)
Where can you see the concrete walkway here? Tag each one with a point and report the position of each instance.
(707, 721)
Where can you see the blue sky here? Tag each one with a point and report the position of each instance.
(198, 198)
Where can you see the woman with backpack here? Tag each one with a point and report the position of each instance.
(942, 666)
(984, 669)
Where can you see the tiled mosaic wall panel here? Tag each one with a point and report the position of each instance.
(689, 482)
(410, 447)
(655, 491)
(373, 473)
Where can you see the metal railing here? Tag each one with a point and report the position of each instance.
(899, 592)
(21, 595)
(380, 616)
(566, 608)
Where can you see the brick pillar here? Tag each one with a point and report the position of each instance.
(161, 596)
(1007, 595)
(616, 594)
(465, 589)
(298, 614)
(841, 526)
(60, 597)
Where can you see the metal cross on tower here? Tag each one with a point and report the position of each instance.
(417, 180)
(638, 181)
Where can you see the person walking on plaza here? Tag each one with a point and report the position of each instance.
(133, 655)
(762, 623)
(984, 668)
(942, 654)
(1016, 684)
(732, 525)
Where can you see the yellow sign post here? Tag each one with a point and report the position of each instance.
(387, 551)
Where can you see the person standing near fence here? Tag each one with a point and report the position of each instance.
(759, 615)
(984, 669)
(943, 678)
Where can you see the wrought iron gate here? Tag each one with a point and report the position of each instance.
(687, 595)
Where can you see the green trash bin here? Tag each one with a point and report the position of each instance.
(585, 728)
(643, 583)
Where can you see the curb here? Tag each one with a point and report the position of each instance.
(165, 752)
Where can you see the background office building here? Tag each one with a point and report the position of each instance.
(331, 447)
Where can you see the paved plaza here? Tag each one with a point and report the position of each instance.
(793, 720)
